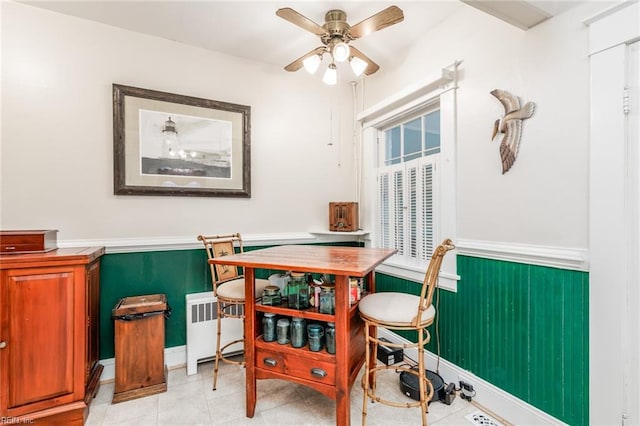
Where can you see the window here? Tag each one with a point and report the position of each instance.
(409, 175)
(406, 185)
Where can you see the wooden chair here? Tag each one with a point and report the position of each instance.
(228, 287)
(401, 311)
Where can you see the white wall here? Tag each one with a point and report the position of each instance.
(57, 142)
(543, 199)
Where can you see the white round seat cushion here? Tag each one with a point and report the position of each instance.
(234, 289)
(394, 308)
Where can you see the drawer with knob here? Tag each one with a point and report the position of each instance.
(311, 369)
(268, 360)
(297, 365)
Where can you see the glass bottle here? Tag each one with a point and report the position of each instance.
(303, 295)
(282, 331)
(316, 333)
(330, 337)
(271, 296)
(298, 332)
(327, 299)
(269, 327)
(298, 293)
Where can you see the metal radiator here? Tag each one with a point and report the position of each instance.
(201, 330)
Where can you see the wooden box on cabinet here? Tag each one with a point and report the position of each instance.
(18, 242)
(343, 216)
(49, 305)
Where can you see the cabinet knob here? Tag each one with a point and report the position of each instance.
(3, 345)
(270, 362)
(318, 372)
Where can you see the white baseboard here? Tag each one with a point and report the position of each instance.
(174, 357)
(494, 399)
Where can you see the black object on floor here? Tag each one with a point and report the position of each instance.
(410, 387)
(389, 355)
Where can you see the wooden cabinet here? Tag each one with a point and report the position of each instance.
(49, 305)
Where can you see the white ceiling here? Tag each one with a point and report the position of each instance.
(251, 29)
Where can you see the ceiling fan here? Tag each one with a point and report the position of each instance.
(335, 36)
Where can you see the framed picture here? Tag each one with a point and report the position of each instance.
(167, 144)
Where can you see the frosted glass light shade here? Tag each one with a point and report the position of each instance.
(340, 51)
(330, 75)
(312, 63)
(358, 66)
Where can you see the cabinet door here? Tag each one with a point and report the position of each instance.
(43, 320)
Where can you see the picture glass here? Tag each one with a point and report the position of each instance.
(176, 145)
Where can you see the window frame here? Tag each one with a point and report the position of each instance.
(438, 90)
(414, 251)
(430, 108)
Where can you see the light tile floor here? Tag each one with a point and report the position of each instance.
(190, 400)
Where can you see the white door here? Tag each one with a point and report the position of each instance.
(614, 206)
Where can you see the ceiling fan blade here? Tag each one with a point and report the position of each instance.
(371, 67)
(297, 64)
(302, 21)
(383, 19)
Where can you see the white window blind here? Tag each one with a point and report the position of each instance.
(427, 176)
(385, 220)
(398, 211)
(407, 215)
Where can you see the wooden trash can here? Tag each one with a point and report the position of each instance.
(139, 346)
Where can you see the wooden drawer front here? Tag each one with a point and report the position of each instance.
(310, 369)
(27, 242)
(269, 360)
(14, 244)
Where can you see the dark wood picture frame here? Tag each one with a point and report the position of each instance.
(203, 171)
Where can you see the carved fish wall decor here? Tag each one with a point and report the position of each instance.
(510, 125)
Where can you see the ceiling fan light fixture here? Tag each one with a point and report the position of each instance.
(340, 51)
(330, 75)
(312, 63)
(358, 66)
(335, 35)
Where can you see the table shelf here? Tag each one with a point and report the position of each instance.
(311, 313)
(304, 351)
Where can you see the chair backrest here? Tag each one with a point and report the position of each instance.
(218, 246)
(431, 278)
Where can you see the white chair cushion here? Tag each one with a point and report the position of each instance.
(394, 308)
(234, 289)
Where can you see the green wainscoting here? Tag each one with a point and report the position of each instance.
(174, 273)
(523, 328)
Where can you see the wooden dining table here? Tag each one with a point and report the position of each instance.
(331, 374)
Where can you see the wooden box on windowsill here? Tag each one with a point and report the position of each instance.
(343, 216)
(26, 241)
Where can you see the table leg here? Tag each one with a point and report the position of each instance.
(373, 358)
(373, 332)
(343, 405)
(249, 340)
